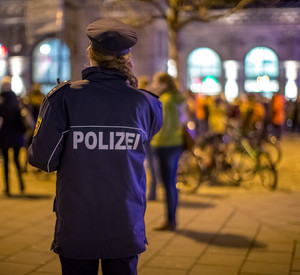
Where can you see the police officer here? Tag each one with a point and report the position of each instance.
(93, 132)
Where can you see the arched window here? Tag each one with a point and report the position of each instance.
(261, 71)
(51, 60)
(204, 71)
(3, 61)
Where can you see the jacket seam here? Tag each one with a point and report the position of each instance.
(48, 164)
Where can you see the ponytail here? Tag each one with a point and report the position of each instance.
(121, 63)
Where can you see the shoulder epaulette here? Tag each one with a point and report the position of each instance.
(149, 93)
(78, 84)
(57, 87)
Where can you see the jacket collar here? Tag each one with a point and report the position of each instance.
(101, 72)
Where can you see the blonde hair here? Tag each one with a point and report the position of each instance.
(165, 78)
(6, 83)
(121, 63)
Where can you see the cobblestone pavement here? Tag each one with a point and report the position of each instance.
(222, 230)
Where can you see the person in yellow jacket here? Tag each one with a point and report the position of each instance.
(168, 142)
(217, 115)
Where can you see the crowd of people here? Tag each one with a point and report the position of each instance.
(208, 114)
(249, 112)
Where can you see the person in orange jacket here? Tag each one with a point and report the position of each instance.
(277, 114)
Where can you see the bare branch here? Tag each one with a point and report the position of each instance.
(159, 7)
(204, 16)
(240, 5)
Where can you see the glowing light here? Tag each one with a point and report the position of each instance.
(3, 51)
(59, 18)
(196, 87)
(16, 65)
(263, 84)
(231, 86)
(45, 49)
(203, 62)
(172, 68)
(3, 67)
(291, 69)
(231, 69)
(191, 125)
(208, 60)
(211, 85)
(289, 123)
(291, 89)
(261, 60)
(17, 84)
(255, 86)
(179, 185)
(231, 89)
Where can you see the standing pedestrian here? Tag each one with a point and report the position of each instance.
(93, 132)
(143, 83)
(277, 114)
(168, 143)
(31, 107)
(12, 129)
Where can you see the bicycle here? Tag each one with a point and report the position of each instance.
(231, 159)
(254, 155)
(203, 164)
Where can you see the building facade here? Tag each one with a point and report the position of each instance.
(255, 50)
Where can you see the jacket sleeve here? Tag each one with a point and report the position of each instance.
(47, 144)
(156, 117)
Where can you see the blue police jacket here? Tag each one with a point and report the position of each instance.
(93, 133)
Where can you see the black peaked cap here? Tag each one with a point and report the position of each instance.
(111, 36)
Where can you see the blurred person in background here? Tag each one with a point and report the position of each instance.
(143, 83)
(258, 113)
(233, 112)
(168, 143)
(202, 113)
(290, 110)
(190, 106)
(12, 129)
(252, 114)
(34, 99)
(295, 116)
(30, 110)
(277, 114)
(217, 115)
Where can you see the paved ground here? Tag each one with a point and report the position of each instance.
(222, 230)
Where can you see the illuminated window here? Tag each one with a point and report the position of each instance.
(204, 71)
(51, 60)
(3, 61)
(231, 74)
(261, 71)
(291, 74)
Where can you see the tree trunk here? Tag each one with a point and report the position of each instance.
(172, 23)
(173, 47)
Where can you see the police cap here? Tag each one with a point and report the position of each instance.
(111, 36)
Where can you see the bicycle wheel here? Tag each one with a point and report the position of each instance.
(241, 165)
(268, 177)
(272, 148)
(188, 173)
(267, 171)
